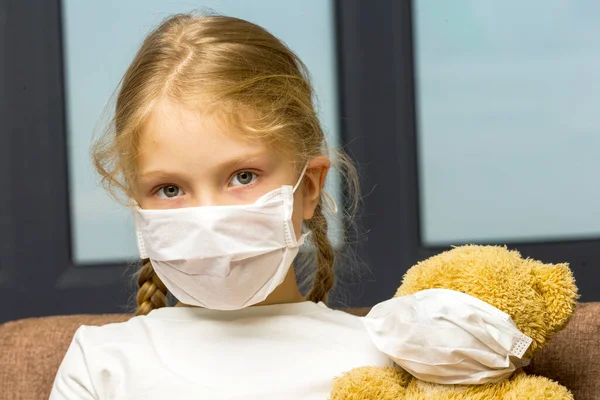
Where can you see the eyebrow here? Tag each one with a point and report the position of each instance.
(228, 164)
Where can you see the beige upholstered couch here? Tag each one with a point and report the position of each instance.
(32, 349)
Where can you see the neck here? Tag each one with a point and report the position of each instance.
(286, 292)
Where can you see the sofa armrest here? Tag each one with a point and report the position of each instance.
(32, 349)
(572, 357)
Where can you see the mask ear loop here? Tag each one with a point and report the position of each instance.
(330, 201)
(300, 179)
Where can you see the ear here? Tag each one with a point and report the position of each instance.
(312, 184)
(556, 284)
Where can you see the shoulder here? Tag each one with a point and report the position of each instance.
(128, 331)
(107, 344)
(341, 316)
(97, 357)
(345, 327)
(109, 348)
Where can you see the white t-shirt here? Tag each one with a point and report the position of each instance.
(283, 351)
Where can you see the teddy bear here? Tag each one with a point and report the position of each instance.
(540, 298)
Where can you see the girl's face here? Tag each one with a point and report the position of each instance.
(187, 160)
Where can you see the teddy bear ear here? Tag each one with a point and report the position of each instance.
(556, 284)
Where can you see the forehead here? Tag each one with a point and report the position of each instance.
(179, 135)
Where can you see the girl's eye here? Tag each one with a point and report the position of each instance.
(169, 191)
(243, 178)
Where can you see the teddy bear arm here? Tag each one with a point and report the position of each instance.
(367, 383)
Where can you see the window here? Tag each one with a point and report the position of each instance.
(507, 121)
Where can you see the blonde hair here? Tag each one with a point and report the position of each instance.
(233, 66)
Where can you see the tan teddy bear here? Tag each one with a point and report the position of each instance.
(540, 298)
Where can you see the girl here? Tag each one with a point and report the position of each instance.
(217, 143)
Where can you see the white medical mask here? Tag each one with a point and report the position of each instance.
(222, 257)
(448, 337)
